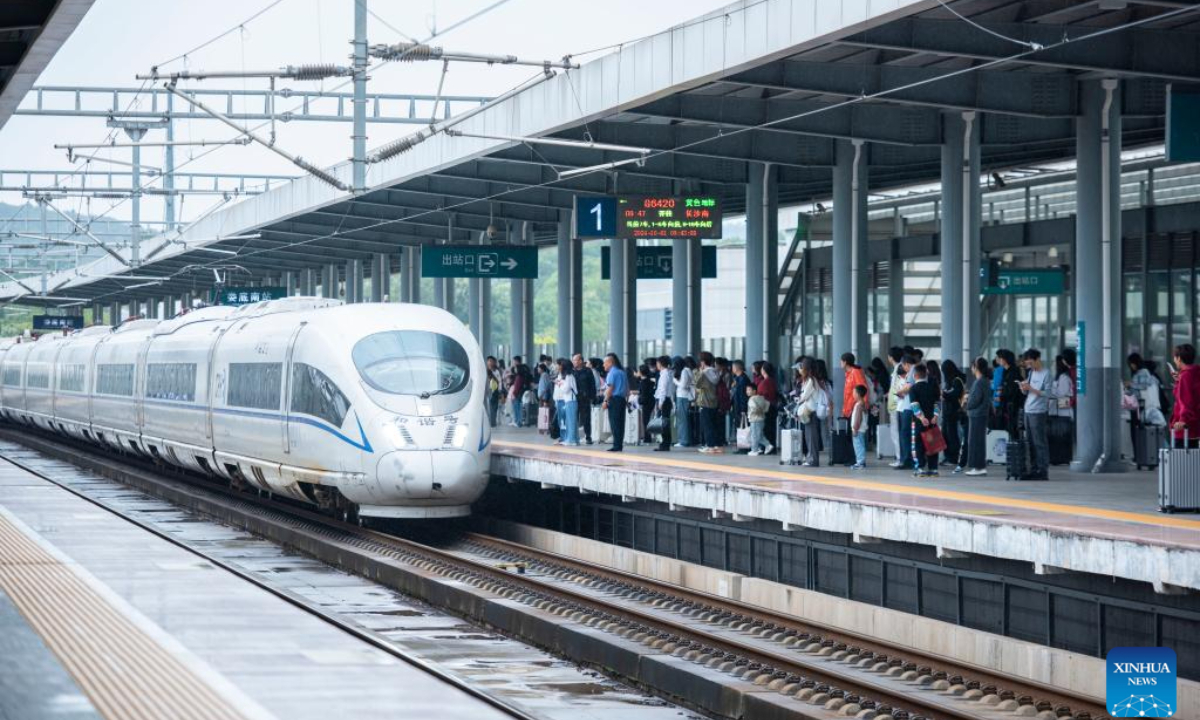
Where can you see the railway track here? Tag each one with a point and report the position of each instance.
(772, 629)
(819, 671)
(358, 632)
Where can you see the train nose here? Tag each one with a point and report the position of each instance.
(430, 475)
(406, 474)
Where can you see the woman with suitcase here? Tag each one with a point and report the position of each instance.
(1185, 414)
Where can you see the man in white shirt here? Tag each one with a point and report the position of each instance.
(1038, 394)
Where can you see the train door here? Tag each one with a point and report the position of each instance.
(287, 388)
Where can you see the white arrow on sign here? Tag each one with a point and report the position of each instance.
(510, 263)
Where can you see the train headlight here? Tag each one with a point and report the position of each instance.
(460, 435)
(398, 435)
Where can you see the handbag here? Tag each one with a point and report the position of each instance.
(933, 440)
(655, 426)
(743, 434)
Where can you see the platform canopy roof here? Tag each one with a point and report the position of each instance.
(759, 81)
(31, 32)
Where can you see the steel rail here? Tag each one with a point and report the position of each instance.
(371, 638)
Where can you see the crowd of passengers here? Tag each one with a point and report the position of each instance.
(715, 405)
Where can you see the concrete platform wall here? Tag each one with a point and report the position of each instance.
(1061, 668)
(1049, 549)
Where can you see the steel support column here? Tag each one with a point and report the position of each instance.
(354, 281)
(517, 297)
(402, 286)
(1098, 277)
(379, 276)
(308, 282)
(849, 258)
(412, 280)
(762, 264)
(622, 307)
(479, 291)
(570, 287)
(961, 207)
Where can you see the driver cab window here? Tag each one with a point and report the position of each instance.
(313, 393)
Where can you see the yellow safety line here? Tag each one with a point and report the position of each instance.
(1076, 510)
(124, 672)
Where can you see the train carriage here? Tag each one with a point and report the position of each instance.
(370, 408)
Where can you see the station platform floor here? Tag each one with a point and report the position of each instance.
(1107, 524)
(100, 618)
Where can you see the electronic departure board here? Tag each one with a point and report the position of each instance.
(657, 216)
(648, 216)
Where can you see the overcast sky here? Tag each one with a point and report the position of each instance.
(120, 38)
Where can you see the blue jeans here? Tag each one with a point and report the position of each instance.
(906, 448)
(515, 404)
(757, 441)
(860, 448)
(568, 421)
(708, 426)
(683, 429)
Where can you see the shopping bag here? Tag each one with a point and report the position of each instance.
(544, 418)
(932, 439)
(743, 437)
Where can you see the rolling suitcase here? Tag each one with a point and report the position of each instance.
(1014, 463)
(997, 447)
(1179, 479)
(1061, 435)
(1147, 441)
(843, 446)
(885, 448)
(791, 447)
(601, 432)
(635, 431)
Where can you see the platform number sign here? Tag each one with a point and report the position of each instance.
(595, 217)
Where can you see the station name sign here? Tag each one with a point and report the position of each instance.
(245, 296)
(42, 323)
(671, 217)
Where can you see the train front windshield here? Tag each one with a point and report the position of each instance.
(412, 362)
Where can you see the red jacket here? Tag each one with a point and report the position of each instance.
(1187, 402)
(854, 378)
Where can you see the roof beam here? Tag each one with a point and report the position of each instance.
(897, 126)
(1171, 56)
(1035, 95)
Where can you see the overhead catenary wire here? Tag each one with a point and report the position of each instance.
(194, 158)
(851, 101)
(1016, 57)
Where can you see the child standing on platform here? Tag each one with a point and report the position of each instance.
(756, 414)
(859, 426)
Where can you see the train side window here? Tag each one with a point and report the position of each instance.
(255, 385)
(37, 375)
(12, 375)
(70, 377)
(313, 393)
(114, 379)
(171, 381)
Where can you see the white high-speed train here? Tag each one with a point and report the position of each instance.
(374, 409)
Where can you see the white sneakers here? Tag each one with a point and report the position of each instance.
(754, 453)
(770, 449)
(976, 472)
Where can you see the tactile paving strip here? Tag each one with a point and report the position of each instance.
(124, 672)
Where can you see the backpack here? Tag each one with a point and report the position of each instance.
(705, 392)
(724, 398)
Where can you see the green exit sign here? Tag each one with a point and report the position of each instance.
(1051, 281)
(479, 261)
